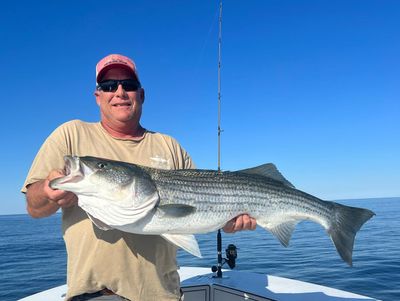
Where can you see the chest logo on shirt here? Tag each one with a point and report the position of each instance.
(160, 162)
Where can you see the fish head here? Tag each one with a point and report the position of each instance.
(113, 174)
(104, 179)
(74, 174)
(92, 176)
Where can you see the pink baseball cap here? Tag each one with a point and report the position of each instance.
(114, 60)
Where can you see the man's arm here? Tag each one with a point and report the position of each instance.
(43, 201)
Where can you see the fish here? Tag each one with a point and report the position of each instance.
(177, 204)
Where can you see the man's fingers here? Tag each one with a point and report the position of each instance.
(249, 223)
(229, 227)
(60, 197)
(244, 222)
(69, 200)
(241, 222)
(253, 223)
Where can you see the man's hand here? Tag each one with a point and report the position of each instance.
(43, 201)
(239, 223)
(62, 198)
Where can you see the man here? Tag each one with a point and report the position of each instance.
(124, 265)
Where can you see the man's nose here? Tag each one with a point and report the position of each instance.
(121, 91)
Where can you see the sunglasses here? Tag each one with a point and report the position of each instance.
(111, 85)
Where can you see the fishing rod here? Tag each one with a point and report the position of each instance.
(219, 83)
(231, 252)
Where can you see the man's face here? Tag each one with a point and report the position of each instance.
(120, 107)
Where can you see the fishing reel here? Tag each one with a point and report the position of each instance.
(231, 255)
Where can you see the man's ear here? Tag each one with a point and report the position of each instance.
(97, 95)
(142, 95)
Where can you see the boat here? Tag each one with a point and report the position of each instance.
(200, 284)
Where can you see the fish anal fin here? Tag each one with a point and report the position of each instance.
(187, 242)
(177, 210)
(268, 170)
(282, 230)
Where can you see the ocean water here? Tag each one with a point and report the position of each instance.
(33, 258)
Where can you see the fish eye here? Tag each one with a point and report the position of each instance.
(101, 165)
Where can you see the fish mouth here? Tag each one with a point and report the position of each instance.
(73, 172)
(72, 167)
(67, 167)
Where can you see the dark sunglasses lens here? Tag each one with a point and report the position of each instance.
(130, 85)
(112, 85)
(109, 85)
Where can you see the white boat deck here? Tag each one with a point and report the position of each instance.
(199, 284)
(252, 286)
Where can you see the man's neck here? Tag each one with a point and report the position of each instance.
(125, 131)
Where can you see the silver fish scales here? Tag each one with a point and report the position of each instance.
(179, 203)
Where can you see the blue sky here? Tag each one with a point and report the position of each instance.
(312, 86)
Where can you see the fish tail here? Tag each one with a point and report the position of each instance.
(346, 221)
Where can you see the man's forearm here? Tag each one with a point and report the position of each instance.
(38, 204)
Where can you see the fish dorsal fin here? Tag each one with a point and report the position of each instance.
(268, 170)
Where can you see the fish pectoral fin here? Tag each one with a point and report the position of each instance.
(177, 210)
(268, 170)
(282, 231)
(98, 223)
(187, 242)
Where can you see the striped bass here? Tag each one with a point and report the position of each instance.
(179, 203)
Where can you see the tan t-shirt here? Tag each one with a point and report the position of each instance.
(137, 267)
